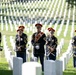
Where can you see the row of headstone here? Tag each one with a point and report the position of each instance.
(63, 21)
(50, 71)
(34, 68)
(58, 21)
(11, 27)
(66, 56)
(67, 24)
(59, 47)
(13, 24)
(12, 41)
(38, 12)
(53, 70)
(48, 12)
(72, 30)
(24, 5)
(6, 49)
(52, 13)
(8, 53)
(35, 3)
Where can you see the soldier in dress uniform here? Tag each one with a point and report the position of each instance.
(1, 47)
(0, 38)
(51, 44)
(74, 50)
(20, 42)
(38, 41)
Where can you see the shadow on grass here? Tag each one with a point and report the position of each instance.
(69, 73)
(6, 72)
(3, 66)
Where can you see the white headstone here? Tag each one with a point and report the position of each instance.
(59, 69)
(63, 59)
(11, 62)
(31, 68)
(49, 67)
(17, 65)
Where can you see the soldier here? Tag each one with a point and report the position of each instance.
(74, 50)
(38, 41)
(20, 42)
(0, 38)
(51, 45)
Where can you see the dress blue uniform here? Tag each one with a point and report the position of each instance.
(38, 45)
(0, 38)
(51, 44)
(1, 47)
(74, 51)
(20, 42)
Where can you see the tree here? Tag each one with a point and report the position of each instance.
(71, 3)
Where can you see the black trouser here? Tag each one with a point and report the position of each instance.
(52, 56)
(74, 59)
(0, 42)
(41, 57)
(22, 55)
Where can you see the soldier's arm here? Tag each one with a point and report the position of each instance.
(0, 36)
(56, 43)
(73, 41)
(16, 43)
(26, 39)
(33, 39)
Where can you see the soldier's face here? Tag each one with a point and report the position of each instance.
(20, 32)
(51, 32)
(38, 28)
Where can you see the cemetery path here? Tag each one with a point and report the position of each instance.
(4, 65)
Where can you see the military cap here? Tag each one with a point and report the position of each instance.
(22, 27)
(38, 24)
(19, 29)
(51, 29)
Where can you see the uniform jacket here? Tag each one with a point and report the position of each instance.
(74, 41)
(41, 42)
(52, 42)
(22, 42)
(74, 44)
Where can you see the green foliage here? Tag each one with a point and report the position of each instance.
(71, 3)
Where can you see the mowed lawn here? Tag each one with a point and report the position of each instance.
(70, 69)
(4, 68)
(5, 71)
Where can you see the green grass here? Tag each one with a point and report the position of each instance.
(3, 63)
(70, 69)
(4, 70)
